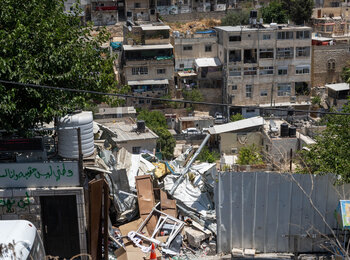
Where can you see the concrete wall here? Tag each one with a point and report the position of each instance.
(24, 203)
(321, 75)
(187, 17)
(228, 141)
(198, 49)
(152, 66)
(149, 144)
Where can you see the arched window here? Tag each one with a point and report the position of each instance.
(331, 65)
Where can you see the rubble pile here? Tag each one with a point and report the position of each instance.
(194, 26)
(165, 204)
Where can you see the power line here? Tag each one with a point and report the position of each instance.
(167, 100)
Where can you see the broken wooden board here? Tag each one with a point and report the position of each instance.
(168, 206)
(145, 196)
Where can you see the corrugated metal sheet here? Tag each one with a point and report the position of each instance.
(270, 213)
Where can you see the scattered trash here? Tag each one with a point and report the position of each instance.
(173, 199)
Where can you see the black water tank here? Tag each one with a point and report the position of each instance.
(141, 126)
(292, 131)
(284, 130)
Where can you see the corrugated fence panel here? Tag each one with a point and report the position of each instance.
(270, 213)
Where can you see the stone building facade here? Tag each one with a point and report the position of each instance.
(328, 62)
(265, 64)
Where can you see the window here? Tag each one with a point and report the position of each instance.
(181, 65)
(136, 150)
(284, 35)
(235, 38)
(187, 48)
(331, 65)
(266, 71)
(329, 28)
(141, 101)
(266, 36)
(250, 71)
(263, 93)
(282, 70)
(250, 56)
(140, 71)
(207, 48)
(234, 87)
(137, 5)
(302, 88)
(148, 101)
(234, 56)
(163, 2)
(283, 89)
(235, 72)
(285, 53)
(302, 51)
(266, 54)
(303, 35)
(248, 91)
(302, 69)
(160, 71)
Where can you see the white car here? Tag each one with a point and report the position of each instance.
(191, 131)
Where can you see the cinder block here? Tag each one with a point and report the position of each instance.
(194, 236)
(6, 193)
(21, 192)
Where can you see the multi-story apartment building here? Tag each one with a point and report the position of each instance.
(106, 12)
(148, 66)
(197, 65)
(265, 65)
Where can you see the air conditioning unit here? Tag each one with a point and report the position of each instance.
(293, 99)
(234, 150)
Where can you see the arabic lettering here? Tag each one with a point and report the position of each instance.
(8, 203)
(137, 241)
(33, 172)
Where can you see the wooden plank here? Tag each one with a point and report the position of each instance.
(168, 206)
(95, 197)
(145, 197)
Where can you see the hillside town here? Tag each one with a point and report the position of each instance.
(174, 129)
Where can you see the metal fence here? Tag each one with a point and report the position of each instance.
(270, 213)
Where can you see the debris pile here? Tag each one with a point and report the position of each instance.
(167, 205)
(194, 26)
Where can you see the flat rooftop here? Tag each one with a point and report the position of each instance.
(147, 47)
(125, 129)
(266, 27)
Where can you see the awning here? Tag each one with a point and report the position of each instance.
(207, 62)
(148, 82)
(155, 28)
(338, 86)
(147, 47)
(186, 74)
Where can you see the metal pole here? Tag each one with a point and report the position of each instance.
(179, 180)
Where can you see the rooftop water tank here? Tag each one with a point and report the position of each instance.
(292, 131)
(284, 130)
(68, 135)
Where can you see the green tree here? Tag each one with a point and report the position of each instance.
(156, 121)
(236, 18)
(249, 155)
(42, 45)
(207, 156)
(153, 119)
(274, 12)
(299, 11)
(331, 152)
(236, 117)
(192, 95)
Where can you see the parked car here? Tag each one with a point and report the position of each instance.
(192, 131)
(219, 118)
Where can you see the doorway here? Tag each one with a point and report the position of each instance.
(60, 225)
